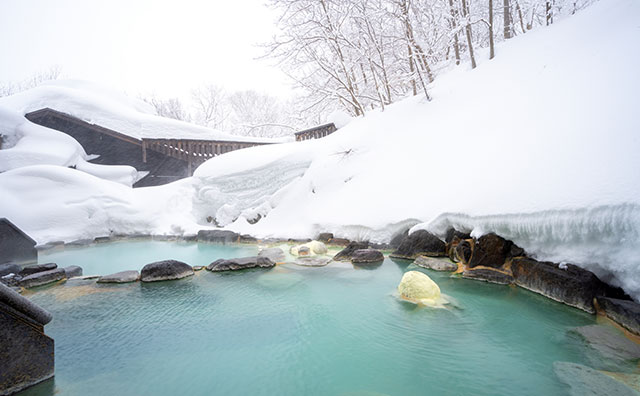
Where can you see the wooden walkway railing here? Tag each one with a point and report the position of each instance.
(317, 132)
(195, 152)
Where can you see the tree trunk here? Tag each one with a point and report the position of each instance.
(549, 15)
(456, 46)
(507, 20)
(492, 52)
(465, 11)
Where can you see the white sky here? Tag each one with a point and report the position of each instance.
(141, 46)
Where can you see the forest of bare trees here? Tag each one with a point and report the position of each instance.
(365, 54)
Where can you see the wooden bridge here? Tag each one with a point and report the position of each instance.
(317, 132)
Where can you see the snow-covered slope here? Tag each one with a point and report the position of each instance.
(109, 109)
(539, 144)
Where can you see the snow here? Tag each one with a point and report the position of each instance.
(539, 145)
(113, 110)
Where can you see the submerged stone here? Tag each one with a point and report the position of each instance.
(240, 264)
(421, 242)
(73, 270)
(609, 342)
(347, 253)
(312, 261)
(583, 380)
(274, 254)
(418, 287)
(120, 277)
(435, 264)
(165, 270)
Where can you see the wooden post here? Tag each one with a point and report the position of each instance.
(189, 159)
(144, 151)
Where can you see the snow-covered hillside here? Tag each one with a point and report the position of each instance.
(539, 145)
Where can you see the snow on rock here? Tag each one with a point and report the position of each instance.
(97, 105)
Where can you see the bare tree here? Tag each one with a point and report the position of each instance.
(209, 102)
(10, 88)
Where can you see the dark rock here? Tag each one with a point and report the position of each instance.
(436, 264)
(42, 278)
(420, 243)
(26, 353)
(312, 261)
(583, 380)
(339, 241)
(11, 268)
(304, 251)
(461, 252)
(488, 275)
(255, 219)
(573, 286)
(12, 280)
(169, 238)
(218, 236)
(325, 237)
(120, 277)
(73, 270)
(165, 270)
(80, 242)
(102, 239)
(240, 264)
(274, 254)
(346, 253)
(625, 313)
(364, 256)
(492, 250)
(397, 239)
(246, 238)
(298, 240)
(15, 245)
(32, 269)
(189, 238)
(452, 232)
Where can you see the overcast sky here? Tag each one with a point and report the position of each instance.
(141, 46)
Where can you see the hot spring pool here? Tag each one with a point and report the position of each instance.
(295, 330)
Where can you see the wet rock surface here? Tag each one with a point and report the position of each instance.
(240, 264)
(347, 253)
(43, 278)
(6, 269)
(165, 270)
(491, 250)
(120, 277)
(435, 264)
(33, 269)
(312, 261)
(488, 275)
(274, 254)
(624, 312)
(73, 270)
(419, 243)
(583, 380)
(218, 236)
(365, 256)
(609, 342)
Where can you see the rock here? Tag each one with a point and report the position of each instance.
(364, 256)
(309, 248)
(246, 238)
(325, 237)
(80, 242)
(573, 286)
(165, 270)
(435, 264)
(198, 267)
(419, 243)
(488, 275)
(12, 280)
(218, 236)
(461, 252)
(397, 239)
(274, 254)
(42, 278)
(120, 277)
(453, 233)
(418, 287)
(492, 250)
(102, 239)
(609, 342)
(625, 313)
(312, 261)
(339, 241)
(584, 380)
(6, 269)
(240, 264)
(346, 253)
(73, 270)
(32, 269)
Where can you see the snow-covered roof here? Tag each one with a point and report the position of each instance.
(100, 106)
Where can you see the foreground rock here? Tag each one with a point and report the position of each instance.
(218, 236)
(347, 253)
(6, 269)
(584, 380)
(165, 270)
(435, 264)
(34, 269)
(73, 270)
(312, 261)
(309, 248)
(419, 243)
(43, 278)
(492, 250)
(240, 264)
(418, 287)
(366, 256)
(274, 254)
(120, 277)
(625, 313)
(460, 251)
(610, 343)
(452, 234)
(573, 286)
(488, 275)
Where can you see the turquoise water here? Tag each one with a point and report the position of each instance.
(293, 330)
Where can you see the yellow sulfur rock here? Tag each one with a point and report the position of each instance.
(418, 287)
(315, 247)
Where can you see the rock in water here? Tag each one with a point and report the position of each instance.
(625, 313)
(609, 342)
(347, 253)
(42, 278)
(274, 254)
(492, 250)
(584, 380)
(240, 264)
(418, 287)
(311, 261)
(419, 243)
(218, 236)
(313, 247)
(435, 264)
(120, 277)
(366, 256)
(73, 270)
(35, 268)
(165, 270)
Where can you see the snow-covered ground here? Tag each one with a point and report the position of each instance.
(539, 145)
